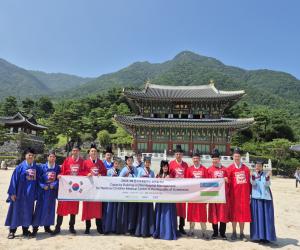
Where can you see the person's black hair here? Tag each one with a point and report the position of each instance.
(29, 150)
(162, 164)
(51, 152)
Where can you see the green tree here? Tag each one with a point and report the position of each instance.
(121, 138)
(104, 138)
(28, 106)
(66, 120)
(44, 107)
(10, 106)
(3, 136)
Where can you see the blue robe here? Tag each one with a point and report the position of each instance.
(165, 221)
(44, 214)
(145, 212)
(23, 184)
(262, 226)
(109, 219)
(108, 165)
(127, 211)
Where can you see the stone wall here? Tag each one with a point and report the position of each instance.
(11, 151)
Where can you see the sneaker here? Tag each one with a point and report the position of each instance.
(48, 230)
(87, 231)
(100, 230)
(56, 231)
(205, 236)
(191, 233)
(243, 237)
(11, 236)
(233, 236)
(182, 231)
(214, 237)
(72, 230)
(224, 237)
(33, 234)
(26, 233)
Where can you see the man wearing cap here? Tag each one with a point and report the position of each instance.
(44, 214)
(178, 169)
(239, 194)
(108, 154)
(72, 165)
(197, 212)
(21, 195)
(218, 212)
(93, 210)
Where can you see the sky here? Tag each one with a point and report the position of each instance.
(93, 37)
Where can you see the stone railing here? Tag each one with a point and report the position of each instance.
(205, 159)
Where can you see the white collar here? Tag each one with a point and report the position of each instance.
(76, 160)
(94, 160)
(198, 166)
(238, 166)
(179, 162)
(29, 165)
(49, 166)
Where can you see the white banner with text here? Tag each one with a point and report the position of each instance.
(122, 189)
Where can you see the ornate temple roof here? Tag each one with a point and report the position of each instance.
(139, 121)
(20, 119)
(175, 93)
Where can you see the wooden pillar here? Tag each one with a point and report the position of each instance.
(149, 142)
(212, 142)
(191, 144)
(134, 145)
(228, 149)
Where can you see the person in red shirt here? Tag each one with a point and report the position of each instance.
(218, 212)
(197, 211)
(72, 165)
(239, 194)
(178, 170)
(93, 210)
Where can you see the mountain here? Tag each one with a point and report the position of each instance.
(19, 82)
(57, 82)
(264, 87)
(22, 83)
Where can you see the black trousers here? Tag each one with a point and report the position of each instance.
(88, 223)
(181, 222)
(221, 229)
(35, 229)
(297, 183)
(59, 220)
(24, 229)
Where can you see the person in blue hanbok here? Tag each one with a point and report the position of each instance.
(262, 227)
(145, 211)
(138, 163)
(110, 213)
(22, 193)
(108, 154)
(44, 214)
(127, 211)
(165, 213)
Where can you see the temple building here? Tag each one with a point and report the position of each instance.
(192, 116)
(21, 123)
(21, 131)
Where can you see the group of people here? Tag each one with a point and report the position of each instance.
(33, 192)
